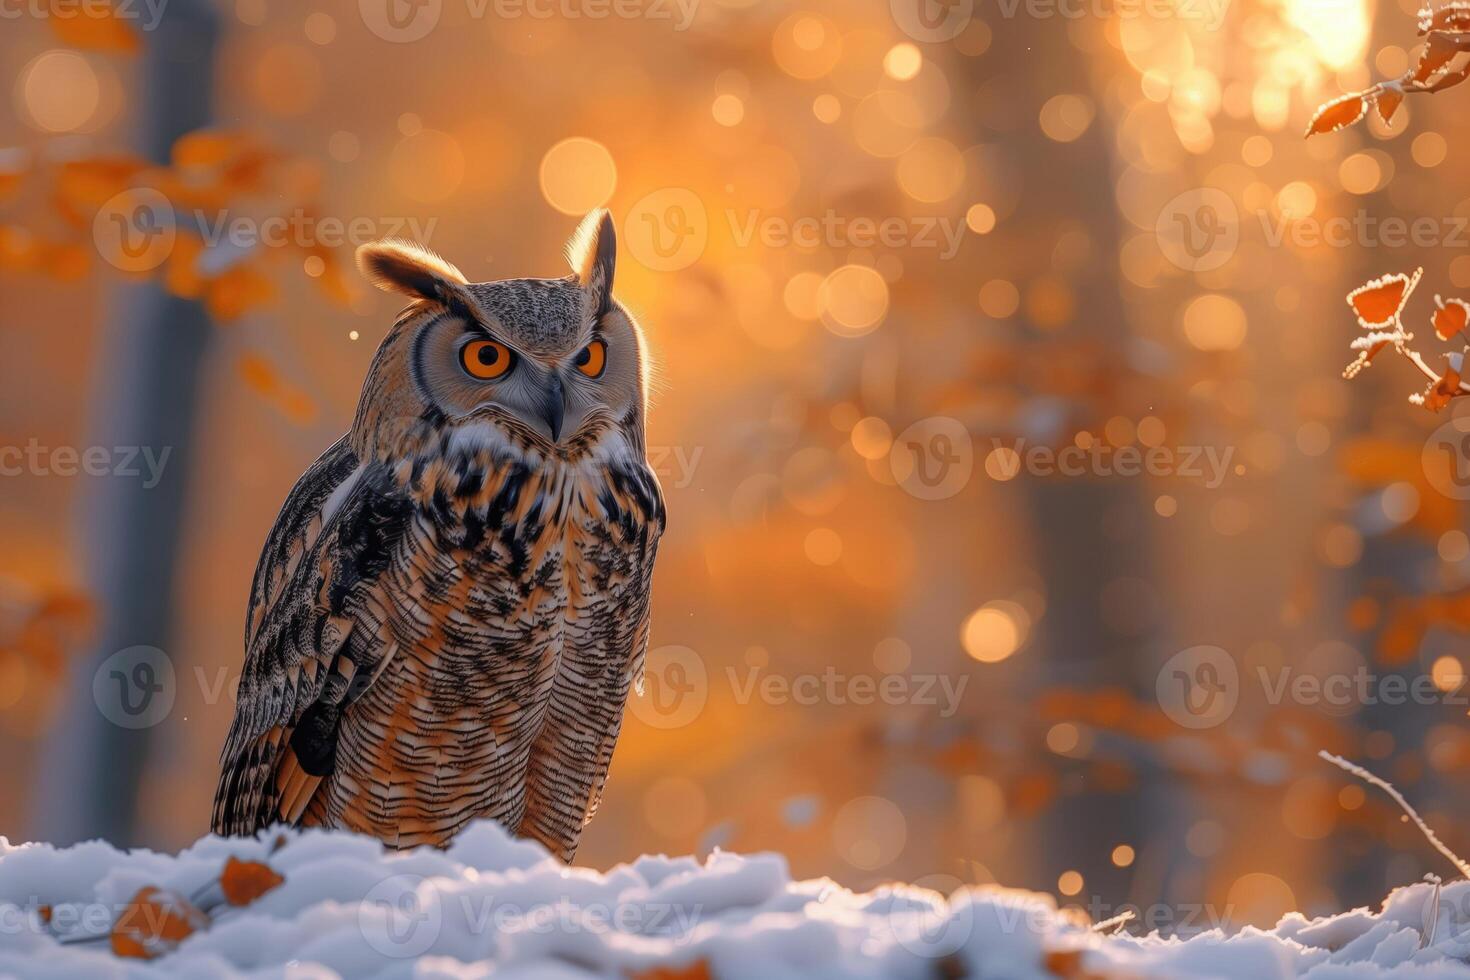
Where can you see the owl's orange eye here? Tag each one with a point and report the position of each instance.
(486, 359)
(592, 359)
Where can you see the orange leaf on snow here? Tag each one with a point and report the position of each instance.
(154, 922)
(1339, 113)
(1378, 301)
(97, 28)
(245, 881)
(698, 970)
(1450, 316)
(1067, 965)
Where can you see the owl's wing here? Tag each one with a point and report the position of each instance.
(572, 754)
(307, 652)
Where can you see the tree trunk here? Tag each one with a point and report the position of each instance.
(148, 380)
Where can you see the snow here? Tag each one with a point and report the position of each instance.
(493, 906)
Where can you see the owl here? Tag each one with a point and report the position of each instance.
(453, 605)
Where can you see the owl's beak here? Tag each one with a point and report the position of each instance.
(554, 407)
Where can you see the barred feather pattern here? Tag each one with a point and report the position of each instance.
(445, 634)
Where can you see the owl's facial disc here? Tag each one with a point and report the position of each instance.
(468, 372)
(555, 362)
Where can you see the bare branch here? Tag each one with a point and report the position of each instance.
(1398, 798)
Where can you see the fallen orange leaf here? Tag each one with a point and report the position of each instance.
(245, 881)
(154, 923)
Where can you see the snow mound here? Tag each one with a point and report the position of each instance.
(493, 906)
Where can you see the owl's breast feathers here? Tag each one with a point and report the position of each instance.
(444, 636)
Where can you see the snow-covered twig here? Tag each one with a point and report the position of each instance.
(1115, 923)
(1398, 798)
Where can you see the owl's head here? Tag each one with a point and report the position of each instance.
(550, 364)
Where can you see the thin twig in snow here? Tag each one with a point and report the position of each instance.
(1398, 798)
(1116, 922)
(1433, 917)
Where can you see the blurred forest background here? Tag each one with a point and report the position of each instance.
(1098, 218)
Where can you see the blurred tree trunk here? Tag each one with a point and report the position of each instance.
(148, 379)
(1094, 531)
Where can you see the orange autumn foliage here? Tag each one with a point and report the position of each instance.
(1446, 33)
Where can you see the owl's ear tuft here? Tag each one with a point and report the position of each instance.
(593, 252)
(409, 268)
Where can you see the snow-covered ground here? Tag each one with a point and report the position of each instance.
(491, 906)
